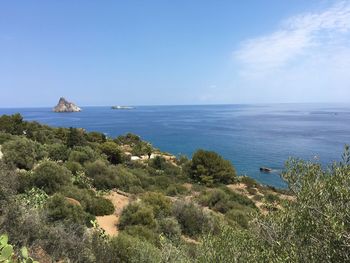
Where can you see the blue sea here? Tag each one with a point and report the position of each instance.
(250, 136)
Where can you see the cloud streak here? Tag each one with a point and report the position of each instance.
(296, 38)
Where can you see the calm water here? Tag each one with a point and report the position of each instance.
(249, 135)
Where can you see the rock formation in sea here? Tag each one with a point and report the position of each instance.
(66, 106)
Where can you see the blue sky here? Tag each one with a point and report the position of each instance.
(173, 52)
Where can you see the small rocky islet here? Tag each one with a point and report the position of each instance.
(66, 106)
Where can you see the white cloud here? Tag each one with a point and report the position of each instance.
(297, 36)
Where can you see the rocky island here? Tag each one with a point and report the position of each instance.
(66, 106)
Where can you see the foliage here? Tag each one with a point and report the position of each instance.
(111, 149)
(51, 177)
(59, 209)
(222, 200)
(8, 255)
(137, 214)
(75, 137)
(210, 168)
(193, 220)
(21, 152)
(35, 197)
(142, 148)
(57, 151)
(129, 139)
(160, 204)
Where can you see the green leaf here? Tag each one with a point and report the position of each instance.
(3, 240)
(24, 252)
(6, 252)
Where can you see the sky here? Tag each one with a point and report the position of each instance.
(162, 52)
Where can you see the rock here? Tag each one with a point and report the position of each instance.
(65, 106)
(1, 155)
(265, 170)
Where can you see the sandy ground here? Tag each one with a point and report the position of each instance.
(109, 223)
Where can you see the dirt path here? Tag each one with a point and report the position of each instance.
(109, 223)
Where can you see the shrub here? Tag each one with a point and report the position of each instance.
(137, 214)
(12, 124)
(170, 227)
(57, 152)
(74, 167)
(92, 204)
(160, 204)
(21, 152)
(104, 176)
(193, 220)
(51, 177)
(112, 151)
(59, 209)
(129, 138)
(175, 189)
(96, 137)
(124, 248)
(222, 200)
(271, 198)
(143, 233)
(210, 168)
(82, 154)
(75, 137)
(239, 217)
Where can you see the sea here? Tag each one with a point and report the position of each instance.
(250, 136)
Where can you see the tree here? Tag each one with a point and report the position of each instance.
(111, 149)
(51, 177)
(210, 168)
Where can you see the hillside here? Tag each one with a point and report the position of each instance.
(69, 195)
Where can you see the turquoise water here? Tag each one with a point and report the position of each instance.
(248, 135)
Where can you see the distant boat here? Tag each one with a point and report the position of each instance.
(122, 108)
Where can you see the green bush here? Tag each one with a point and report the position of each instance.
(272, 198)
(74, 167)
(193, 220)
(239, 217)
(129, 139)
(82, 154)
(91, 203)
(124, 248)
(112, 151)
(143, 233)
(57, 152)
(223, 200)
(171, 228)
(104, 176)
(51, 177)
(160, 204)
(210, 168)
(75, 137)
(59, 209)
(137, 214)
(21, 152)
(175, 189)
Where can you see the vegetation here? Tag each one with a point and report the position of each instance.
(54, 183)
(210, 168)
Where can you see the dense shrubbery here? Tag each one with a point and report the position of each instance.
(22, 153)
(51, 177)
(60, 209)
(49, 205)
(193, 220)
